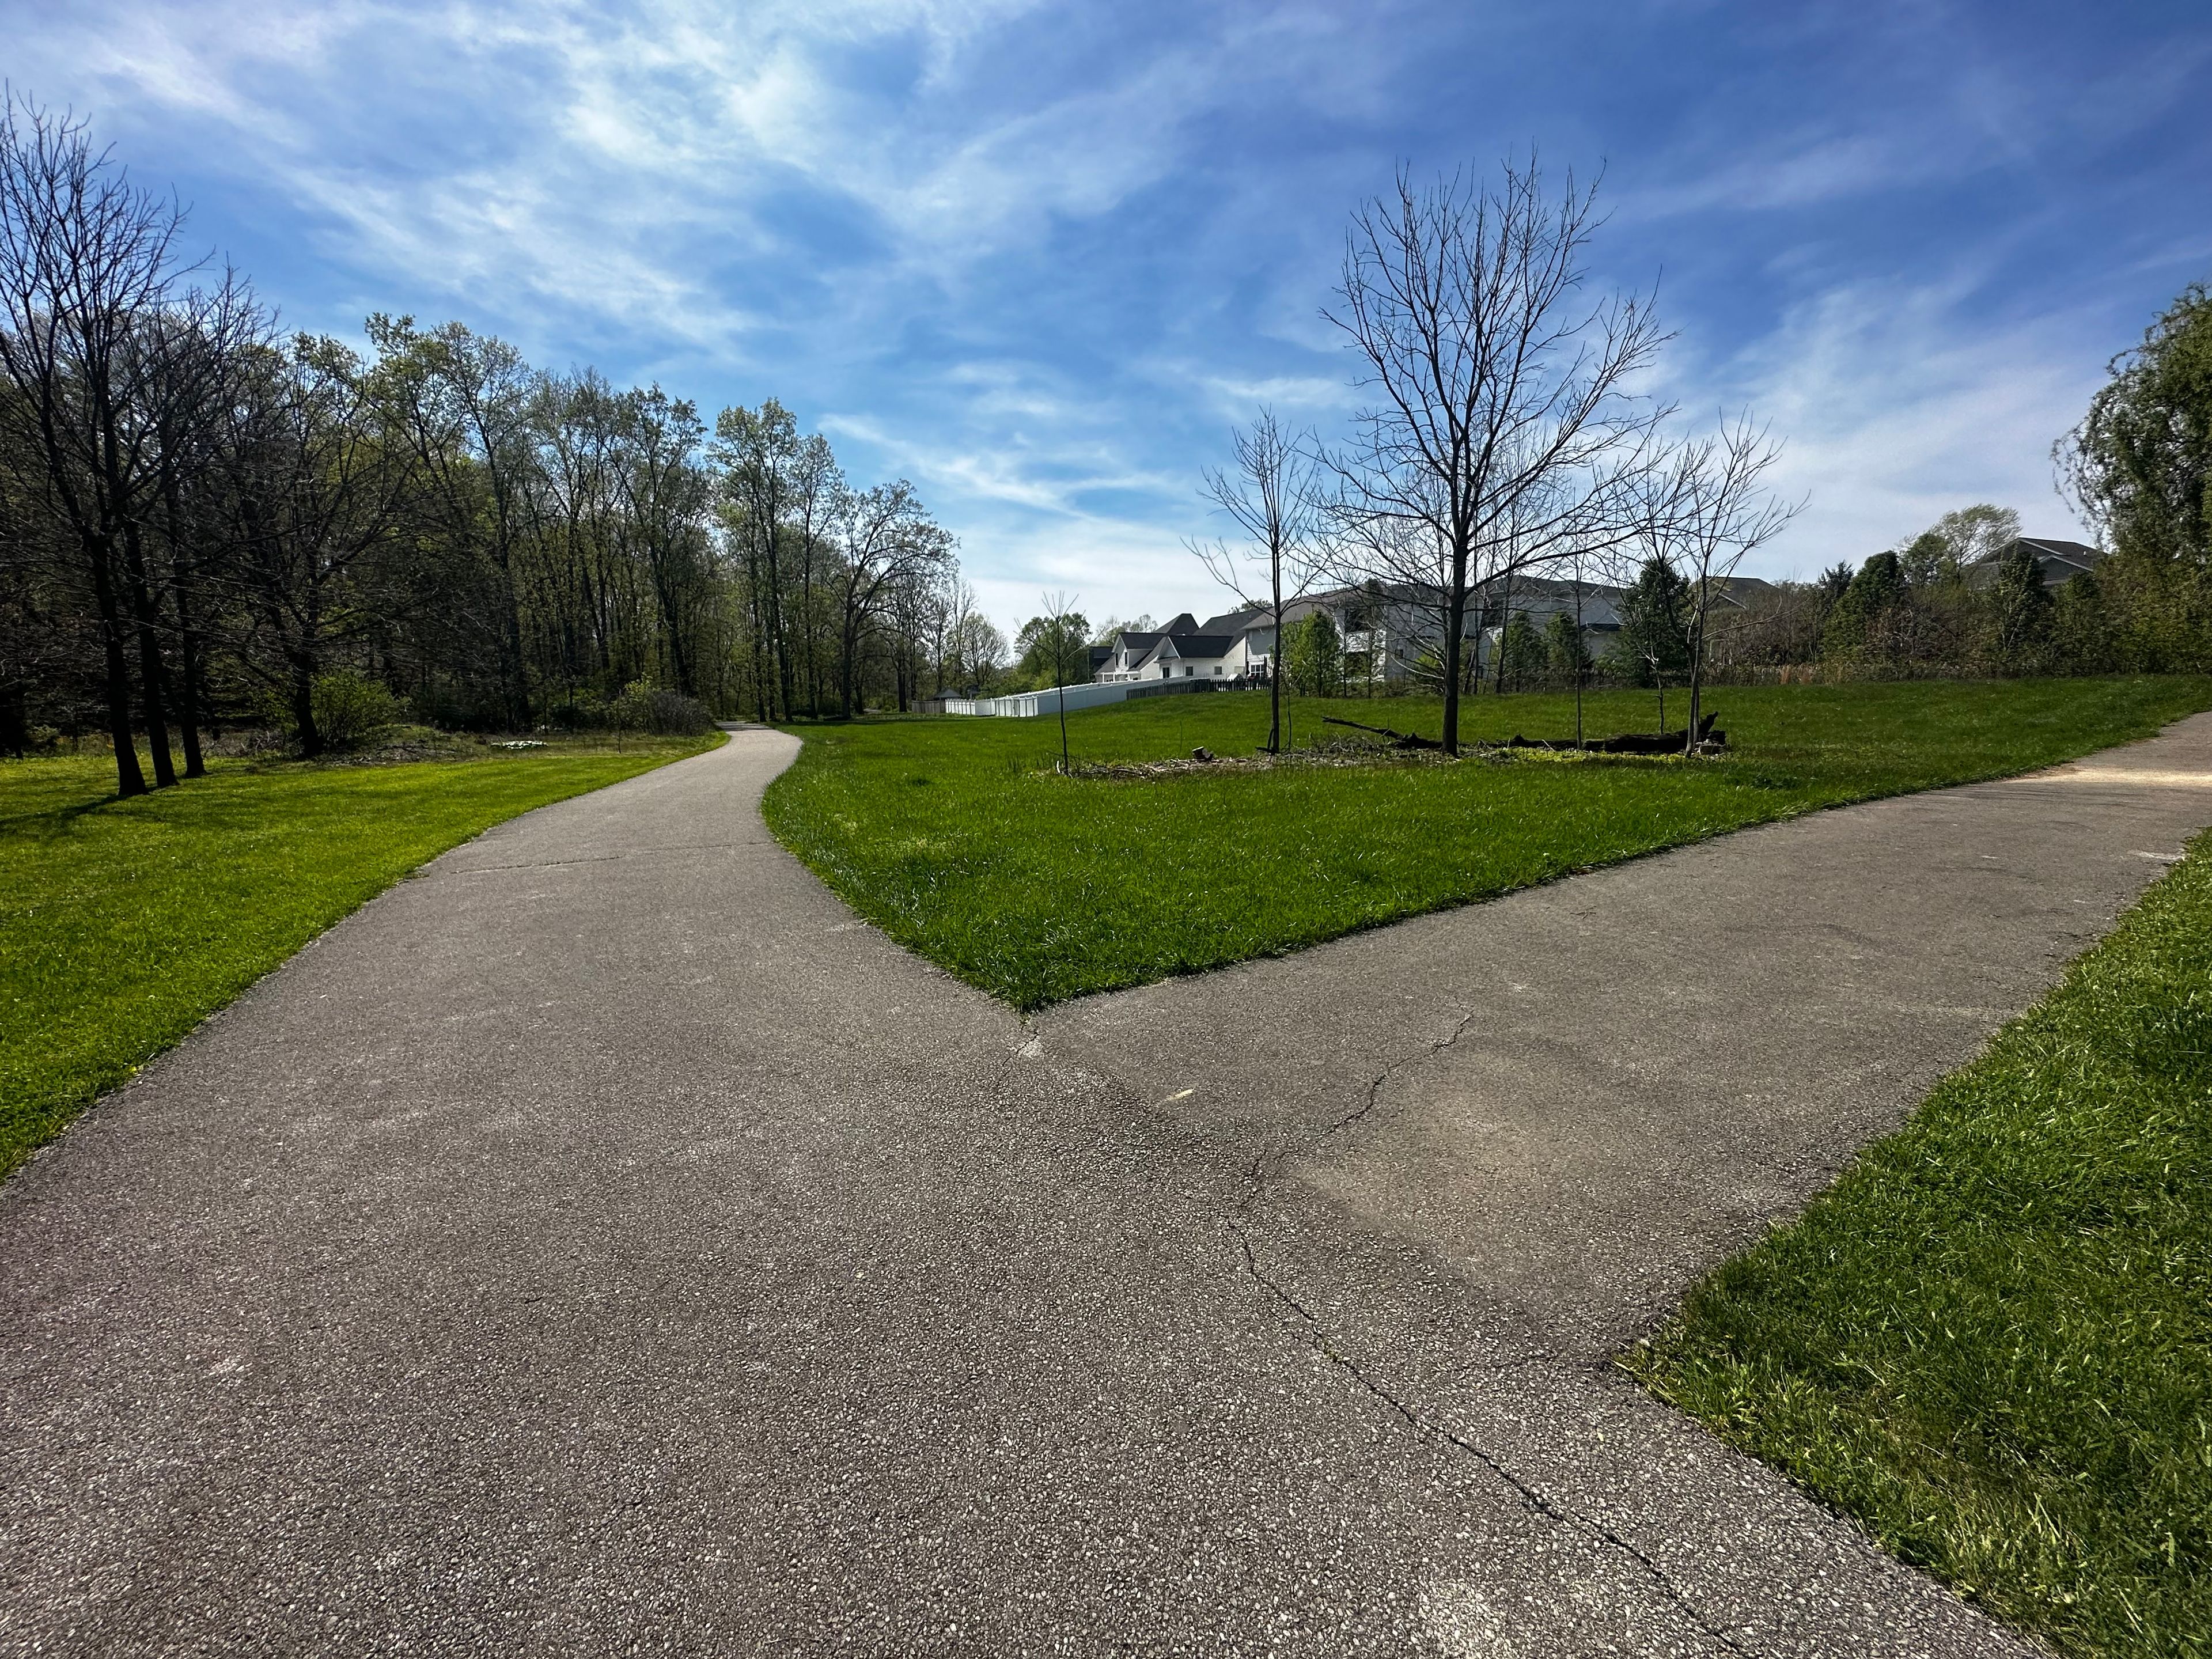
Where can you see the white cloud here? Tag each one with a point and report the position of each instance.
(1897, 406)
(775, 196)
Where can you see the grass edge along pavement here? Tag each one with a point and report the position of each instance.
(1990, 1341)
(125, 923)
(960, 841)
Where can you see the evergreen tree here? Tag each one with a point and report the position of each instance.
(1566, 659)
(2018, 616)
(1654, 643)
(2080, 631)
(1521, 654)
(1314, 659)
(1853, 625)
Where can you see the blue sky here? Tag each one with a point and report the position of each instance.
(1040, 258)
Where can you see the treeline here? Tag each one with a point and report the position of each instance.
(206, 523)
(1961, 598)
(1951, 603)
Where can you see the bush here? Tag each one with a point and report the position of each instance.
(665, 713)
(350, 708)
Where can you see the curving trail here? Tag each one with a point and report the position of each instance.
(603, 1243)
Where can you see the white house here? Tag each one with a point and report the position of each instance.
(1236, 646)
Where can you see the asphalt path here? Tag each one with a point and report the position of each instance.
(603, 1243)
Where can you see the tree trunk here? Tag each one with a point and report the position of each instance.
(1455, 646)
(1274, 663)
(188, 708)
(130, 779)
(1504, 620)
(303, 706)
(1697, 684)
(188, 712)
(152, 674)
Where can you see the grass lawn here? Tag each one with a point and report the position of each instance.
(123, 924)
(956, 837)
(1991, 1341)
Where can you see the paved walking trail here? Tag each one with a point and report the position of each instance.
(604, 1243)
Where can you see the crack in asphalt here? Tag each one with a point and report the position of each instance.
(1531, 1499)
(1375, 1089)
(1265, 1166)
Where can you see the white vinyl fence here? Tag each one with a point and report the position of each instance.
(1027, 705)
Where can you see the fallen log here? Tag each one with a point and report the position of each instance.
(1631, 743)
(1400, 739)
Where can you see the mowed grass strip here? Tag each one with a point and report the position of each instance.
(1991, 1340)
(123, 924)
(958, 839)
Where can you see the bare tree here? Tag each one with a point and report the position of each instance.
(311, 494)
(1496, 389)
(888, 539)
(762, 454)
(817, 489)
(974, 650)
(1063, 627)
(1709, 507)
(88, 262)
(462, 403)
(1275, 497)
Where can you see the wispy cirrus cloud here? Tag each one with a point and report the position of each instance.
(1040, 258)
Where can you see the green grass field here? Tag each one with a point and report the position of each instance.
(956, 837)
(123, 924)
(1991, 1340)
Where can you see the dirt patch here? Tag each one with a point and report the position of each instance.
(1322, 754)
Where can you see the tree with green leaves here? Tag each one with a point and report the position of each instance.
(1566, 659)
(1315, 656)
(2017, 618)
(1520, 654)
(1856, 622)
(2139, 469)
(1049, 646)
(2140, 463)
(1969, 536)
(2081, 629)
(1653, 644)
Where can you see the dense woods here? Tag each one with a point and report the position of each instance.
(207, 523)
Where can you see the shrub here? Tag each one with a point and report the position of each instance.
(350, 708)
(668, 714)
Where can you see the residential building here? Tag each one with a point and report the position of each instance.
(1390, 631)
(2060, 562)
(1232, 646)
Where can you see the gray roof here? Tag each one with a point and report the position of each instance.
(2059, 561)
(1196, 645)
(1237, 622)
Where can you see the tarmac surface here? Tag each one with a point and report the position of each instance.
(603, 1243)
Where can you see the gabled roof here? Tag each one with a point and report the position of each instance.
(1238, 622)
(1185, 624)
(2059, 561)
(1195, 645)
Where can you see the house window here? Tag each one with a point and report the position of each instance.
(1217, 668)
(1187, 672)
